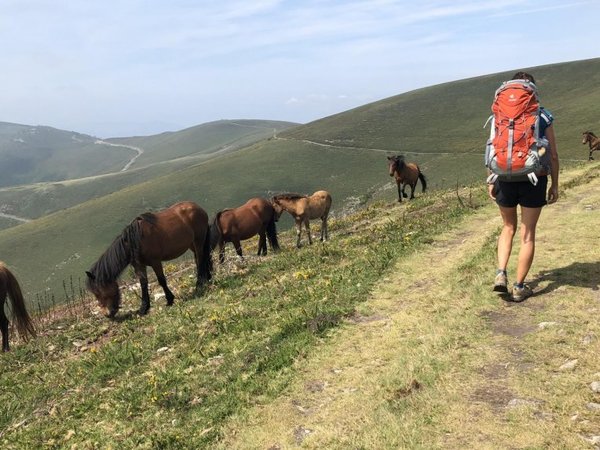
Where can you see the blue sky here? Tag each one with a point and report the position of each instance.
(126, 67)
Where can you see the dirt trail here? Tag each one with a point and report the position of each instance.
(368, 386)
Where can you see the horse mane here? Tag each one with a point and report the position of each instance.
(123, 250)
(590, 133)
(289, 196)
(400, 162)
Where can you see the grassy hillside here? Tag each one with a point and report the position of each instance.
(164, 153)
(449, 117)
(30, 154)
(345, 154)
(203, 139)
(360, 342)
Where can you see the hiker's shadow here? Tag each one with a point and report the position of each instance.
(586, 275)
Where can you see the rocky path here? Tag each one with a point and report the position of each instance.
(435, 360)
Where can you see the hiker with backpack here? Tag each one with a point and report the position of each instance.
(520, 154)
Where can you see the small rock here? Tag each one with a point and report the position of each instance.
(159, 295)
(595, 386)
(569, 365)
(594, 440)
(544, 325)
(162, 350)
(593, 406)
(587, 339)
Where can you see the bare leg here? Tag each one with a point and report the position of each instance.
(505, 240)
(162, 280)
(529, 220)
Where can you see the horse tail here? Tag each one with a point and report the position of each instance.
(272, 233)
(22, 319)
(206, 264)
(214, 231)
(423, 180)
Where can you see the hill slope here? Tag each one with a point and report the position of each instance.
(359, 342)
(30, 154)
(345, 154)
(144, 157)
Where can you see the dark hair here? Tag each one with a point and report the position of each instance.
(523, 76)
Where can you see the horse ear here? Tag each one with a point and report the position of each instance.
(90, 275)
(390, 158)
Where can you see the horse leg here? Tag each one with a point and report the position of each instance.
(298, 231)
(262, 243)
(142, 275)
(221, 252)
(412, 190)
(307, 225)
(323, 229)
(399, 192)
(4, 327)
(238, 247)
(162, 280)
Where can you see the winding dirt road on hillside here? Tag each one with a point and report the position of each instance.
(17, 218)
(139, 151)
(436, 360)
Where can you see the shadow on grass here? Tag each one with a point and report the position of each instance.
(586, 275)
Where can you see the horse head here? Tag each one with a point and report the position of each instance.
(107, 295)
(395, 164)
(277, 208)
(588, 137)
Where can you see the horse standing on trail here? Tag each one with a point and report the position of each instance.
(405, 174)
(304, 208)
(256, 216)
(593, 141)
(9, 287)
(147, 241)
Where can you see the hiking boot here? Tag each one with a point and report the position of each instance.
(520, 294)
(500, 283)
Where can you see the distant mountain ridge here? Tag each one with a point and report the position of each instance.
(33, 154)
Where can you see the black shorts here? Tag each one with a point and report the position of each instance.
(512, 193)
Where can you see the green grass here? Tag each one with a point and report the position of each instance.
(441, 119)
(226, 351)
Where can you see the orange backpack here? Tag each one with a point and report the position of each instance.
(514, 149)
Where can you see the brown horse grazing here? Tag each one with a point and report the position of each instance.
(405, 174)
(147, 241)
(256, 216)
(594, 142)
(10, 287)
(304, 208)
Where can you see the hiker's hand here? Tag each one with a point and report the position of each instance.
(492, 191)
(552, 194)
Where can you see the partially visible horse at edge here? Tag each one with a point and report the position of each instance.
(405, 174)
(256, 216)
(9, 287)
(304, 208)
(147, 241)
(593, 141)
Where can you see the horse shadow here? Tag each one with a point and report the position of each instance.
(586, 275)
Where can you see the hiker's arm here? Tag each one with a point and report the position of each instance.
(553, 190)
